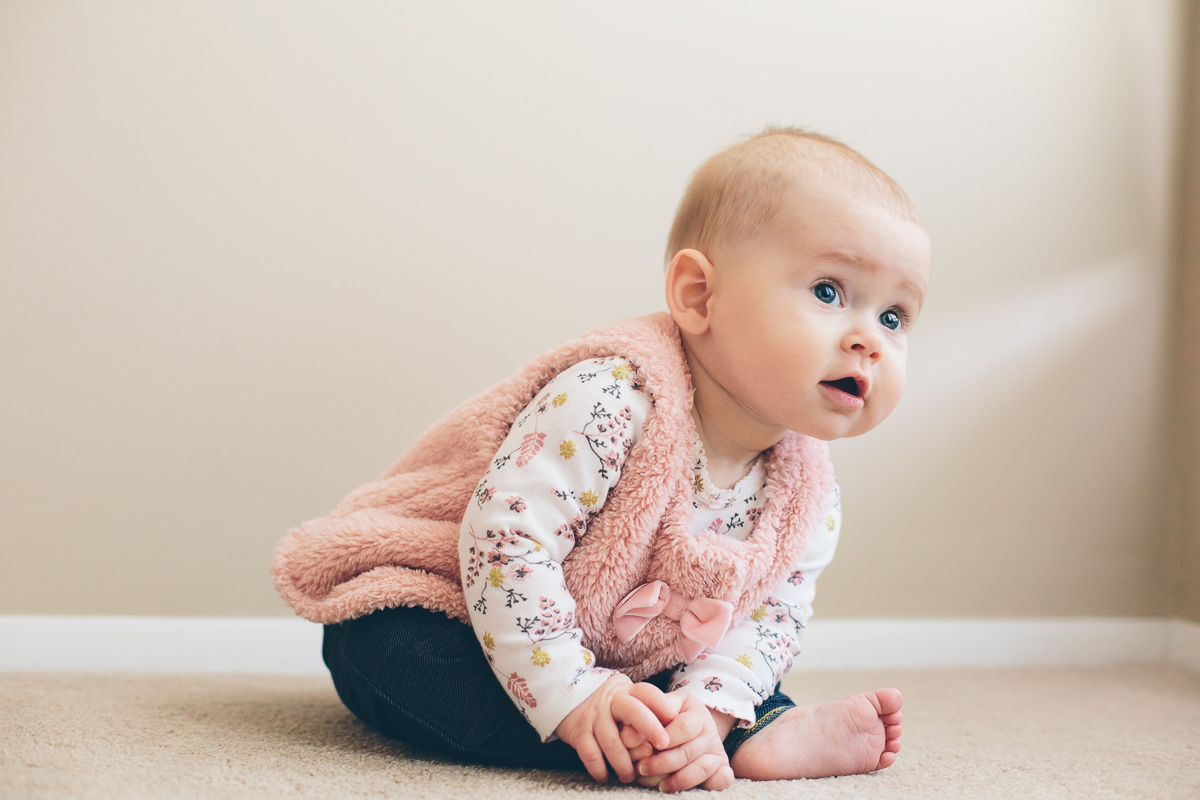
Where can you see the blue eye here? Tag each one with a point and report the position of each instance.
(826, 293)
(890, 320)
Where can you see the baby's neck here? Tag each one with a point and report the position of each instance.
(726, 466)
(732, 440)
(726, 476)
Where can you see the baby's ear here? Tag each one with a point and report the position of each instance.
(689, 290)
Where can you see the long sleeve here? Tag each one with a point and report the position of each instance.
(553, 472)
(742, 671)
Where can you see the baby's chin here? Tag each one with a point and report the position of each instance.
(849, 432)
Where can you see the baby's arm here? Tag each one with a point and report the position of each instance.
(561, 457)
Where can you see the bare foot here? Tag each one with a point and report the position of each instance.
(858, 734)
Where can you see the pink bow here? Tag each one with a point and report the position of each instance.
(703, 621)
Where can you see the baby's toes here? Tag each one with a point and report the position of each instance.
(891, 719)
(888, 701)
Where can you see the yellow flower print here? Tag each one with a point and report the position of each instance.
(559, 399)
(488, 641)
(621, 371)
(698, 485)
(540, 657)
(587, 657)
(496, 577)
(567, 448)
(589, 498)
(830, 522)
(745, 660)
(759, 614)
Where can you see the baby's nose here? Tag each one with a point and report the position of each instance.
(872, 352)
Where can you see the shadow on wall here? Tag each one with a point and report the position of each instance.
(974, 359)
(1038, 410)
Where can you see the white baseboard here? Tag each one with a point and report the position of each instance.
(930, 643)
(161, 644)
(291, 645)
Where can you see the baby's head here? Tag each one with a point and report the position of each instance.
(796, 268)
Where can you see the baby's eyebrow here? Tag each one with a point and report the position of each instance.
(841, 257)
(858, 265)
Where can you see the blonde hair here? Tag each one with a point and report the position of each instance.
(737, 192)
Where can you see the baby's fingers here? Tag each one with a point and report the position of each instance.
(634, 713)
(710, 770)
(592, 758)
(665, 706)
(686, 726)
(643, 750)
(631, 737)
(614, 750)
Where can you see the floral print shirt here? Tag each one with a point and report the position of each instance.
(562, 456)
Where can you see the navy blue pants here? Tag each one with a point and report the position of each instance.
(421, 677)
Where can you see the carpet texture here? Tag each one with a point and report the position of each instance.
(1113, 732)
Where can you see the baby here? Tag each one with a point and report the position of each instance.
(609, 559)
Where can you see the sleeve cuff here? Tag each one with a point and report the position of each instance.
(546, 718)
(723, 694)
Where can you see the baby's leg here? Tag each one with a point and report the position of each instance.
(421, 677)
(857, 734)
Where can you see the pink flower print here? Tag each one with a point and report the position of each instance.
(715, 526)
(572, 529)
(612, 460)
(753, 515)
(552, 619)
(713, 684)
(519, 689)
(520, 572)
(531, 445)
(516, 503)
(496, 557)
(780, 617)
(796, 578)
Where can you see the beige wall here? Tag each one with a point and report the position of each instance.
(249, 250)
(1185, 375)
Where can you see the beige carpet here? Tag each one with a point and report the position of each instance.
(1081, 733)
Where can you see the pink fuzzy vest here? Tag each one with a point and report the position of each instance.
(395, 541)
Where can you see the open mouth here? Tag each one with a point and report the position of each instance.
(847, 385)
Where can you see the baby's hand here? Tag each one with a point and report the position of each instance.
(591, 728)
(694, 757)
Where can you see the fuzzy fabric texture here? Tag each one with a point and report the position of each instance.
(395, 541)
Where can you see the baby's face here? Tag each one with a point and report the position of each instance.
(810, 322)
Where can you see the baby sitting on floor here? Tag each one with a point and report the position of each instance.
(609, 558)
